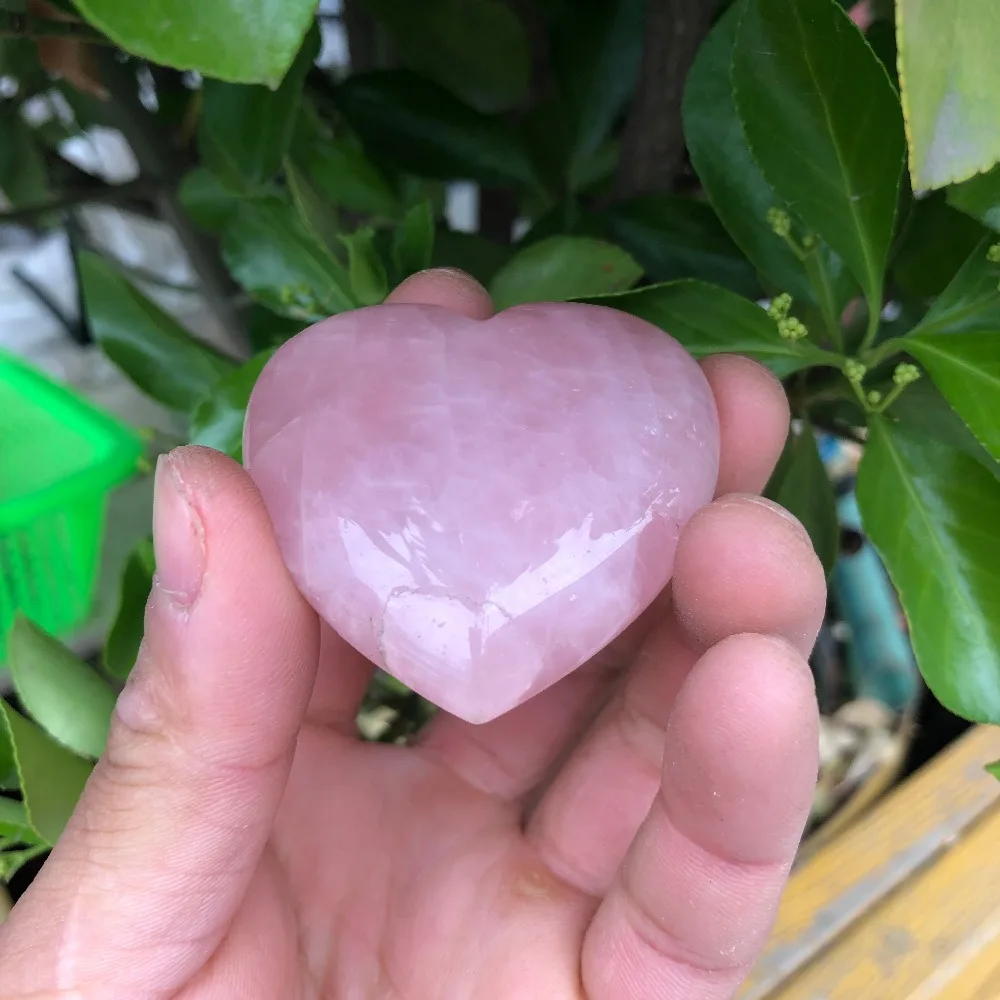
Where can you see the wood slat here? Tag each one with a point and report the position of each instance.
(941, 931)
(847, 879)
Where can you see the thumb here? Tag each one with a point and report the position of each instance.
(159, 854)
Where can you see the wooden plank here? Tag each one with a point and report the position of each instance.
(850, 877)
(942, 929)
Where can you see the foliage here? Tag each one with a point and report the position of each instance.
(804, 242)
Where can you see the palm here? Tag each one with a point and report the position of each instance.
(442, 886)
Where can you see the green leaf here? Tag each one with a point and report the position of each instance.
(342, 174)
(316, 214)
(802, 486)
(272, 255)
(931, 512)
(561, 268)
(268, 329)
(709, 320)
(122, 646)
(242, 41)
(979, 197)
(149, 346)
(11, 862)
(958, 342)
(720, 154)
(824, 124)
(423, 129)
(217, 421)
(881, 36)
(966, 368)
(208, 201)
(52, 778)
(23, 174)
(469, 252)
(596, 49)
(971, 301)
(922, 411)
(679, 238)
(369, 283)
(58, 690)
(14, 823)
(935, 243)
(244, 132)
(950, 81)
(8, 772)
(413, 241)
(475, 48)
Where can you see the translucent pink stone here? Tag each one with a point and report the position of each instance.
(480, 506)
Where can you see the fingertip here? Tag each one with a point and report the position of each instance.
(446, 287)
(753, 421)
(745, 564)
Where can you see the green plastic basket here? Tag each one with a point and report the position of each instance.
(60, 459)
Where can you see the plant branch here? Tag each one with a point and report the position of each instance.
(14, 25)
(103, 194)
(159, 160)
(875, 356)
(362, 37)
(652, 148)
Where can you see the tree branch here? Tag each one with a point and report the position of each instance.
(160, 161)
(652, 147)
(13, 25)
(362, 37)
(98, 194)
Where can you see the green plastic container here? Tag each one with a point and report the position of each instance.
(60, 459)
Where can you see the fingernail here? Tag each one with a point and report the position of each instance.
(178, 536)
(770, 505)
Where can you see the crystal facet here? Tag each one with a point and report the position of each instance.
(480, 506)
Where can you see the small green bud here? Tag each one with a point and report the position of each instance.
(854, 370)
(808, 241)
(791, 328)
(905, 374)
(993, 254)
(874, 397)
(779, 307)
(779, 221)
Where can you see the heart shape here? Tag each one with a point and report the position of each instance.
(479, 506)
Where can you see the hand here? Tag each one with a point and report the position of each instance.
(624, 835)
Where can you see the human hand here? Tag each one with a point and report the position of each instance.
(625, 834)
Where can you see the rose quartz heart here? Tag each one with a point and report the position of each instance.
(480, 506)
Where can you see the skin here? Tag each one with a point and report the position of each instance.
(624, 835)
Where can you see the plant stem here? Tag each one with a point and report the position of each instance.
(891, 396)
(819, 278)
(874, 315)
(105, 194)
(159, 160)
(875, 356)
(14, 25)
(859, 391)
(821, 356)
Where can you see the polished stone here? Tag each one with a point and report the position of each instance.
(480, 506)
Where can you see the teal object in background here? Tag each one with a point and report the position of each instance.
(880, 661)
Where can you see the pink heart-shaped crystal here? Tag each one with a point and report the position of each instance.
(480, 506)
